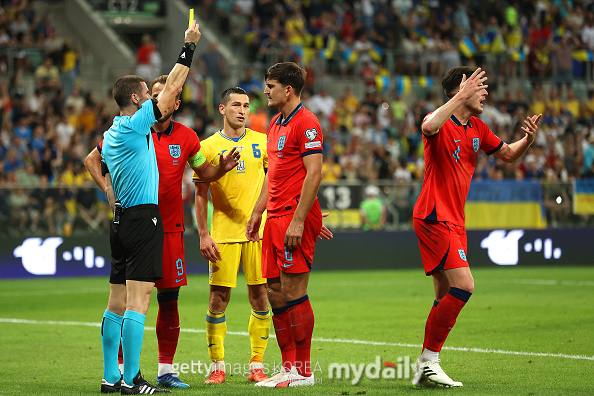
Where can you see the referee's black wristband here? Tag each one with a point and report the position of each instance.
(185, 57)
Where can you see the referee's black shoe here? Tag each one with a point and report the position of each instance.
(140, 387)
(106, 387)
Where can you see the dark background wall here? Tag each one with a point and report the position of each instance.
(89, 256)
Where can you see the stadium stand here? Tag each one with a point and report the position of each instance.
(538, 56)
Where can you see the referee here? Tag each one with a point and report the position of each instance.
(136, 234)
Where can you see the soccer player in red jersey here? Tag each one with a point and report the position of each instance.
(175, 144)
(294, 220)
(452, 137)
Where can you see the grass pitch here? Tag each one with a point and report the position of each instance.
(525, 331)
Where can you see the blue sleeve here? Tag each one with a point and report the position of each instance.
(142, 121)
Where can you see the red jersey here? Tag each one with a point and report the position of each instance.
(288, 141)
(450, 159)
(172, 148)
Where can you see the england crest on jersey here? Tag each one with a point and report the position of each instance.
(175, 150)
(281, 142)
(475, 144)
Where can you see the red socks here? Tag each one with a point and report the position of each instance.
(120, 355)
(167, 326)
(294, 325)
(302, 324)
(284, 336)
(428, 323)
(443, 317)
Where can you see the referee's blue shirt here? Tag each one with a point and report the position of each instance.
(129, 153)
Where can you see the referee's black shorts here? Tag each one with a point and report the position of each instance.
(137, 245)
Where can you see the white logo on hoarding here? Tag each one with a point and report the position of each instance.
(503, 249)
(39, 258)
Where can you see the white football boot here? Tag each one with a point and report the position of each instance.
(290, 379)
(430, 374)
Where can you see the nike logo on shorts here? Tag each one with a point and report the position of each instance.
(179, 280)
(285, 265)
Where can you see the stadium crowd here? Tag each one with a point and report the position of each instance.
(46, 135)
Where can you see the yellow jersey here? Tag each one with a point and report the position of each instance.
(235, 194)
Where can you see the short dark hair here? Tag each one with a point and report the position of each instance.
(226, 95)
(162, 79)
(124, 87)
(451, 81)
(288, 73)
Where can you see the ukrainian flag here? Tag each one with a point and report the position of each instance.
(582, 55)
(518, 55)
(423, 36)
(484, 43)
(376, 53)
(583, 196)
(425, 82)
(350, 56)
(467, 47)
(382, 83)
(505, 204)
(403, 85)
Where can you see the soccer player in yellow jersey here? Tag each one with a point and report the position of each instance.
(233, 196)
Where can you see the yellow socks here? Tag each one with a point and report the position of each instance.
(259, 330)
(216, 329)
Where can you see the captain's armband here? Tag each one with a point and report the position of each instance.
(197, 159)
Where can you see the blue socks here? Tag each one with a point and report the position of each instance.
(132, 336)
(111, 330)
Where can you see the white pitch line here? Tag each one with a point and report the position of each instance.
(318, 339)
(552, 282)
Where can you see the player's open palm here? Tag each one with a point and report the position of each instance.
(230, 160)
(531, 127)
(471, 85)
(209, 248)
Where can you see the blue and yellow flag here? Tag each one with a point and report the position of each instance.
(425, 82)
(403, 85)
(505, 205)
(350, 56)
(518, 55)
(467, 47)
(382, 83)
(583, 196)
(582, 55)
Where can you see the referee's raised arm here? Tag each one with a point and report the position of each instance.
(177, 76)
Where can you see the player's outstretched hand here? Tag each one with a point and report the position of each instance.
(193, 33)
(209, 249)
(252, 229)
(293, 235)
(531, 127)
(471, 85)
(230, 160)
(325, 233)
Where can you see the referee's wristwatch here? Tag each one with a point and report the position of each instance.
(191, 46)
